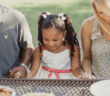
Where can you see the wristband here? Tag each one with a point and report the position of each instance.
(24, 65)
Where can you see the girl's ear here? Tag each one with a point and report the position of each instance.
(64, 35)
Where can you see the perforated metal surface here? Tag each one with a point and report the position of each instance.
(58, 87)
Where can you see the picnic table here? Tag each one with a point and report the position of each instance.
(61, 87)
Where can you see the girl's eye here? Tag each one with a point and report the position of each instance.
(54, 40)
(46, 40)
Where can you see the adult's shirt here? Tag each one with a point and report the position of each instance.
(14, 34)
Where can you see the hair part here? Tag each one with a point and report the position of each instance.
(54, 21)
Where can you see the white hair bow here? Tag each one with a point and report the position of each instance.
(62, 16)
(45, 15)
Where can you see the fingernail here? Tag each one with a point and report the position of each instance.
(18, 73)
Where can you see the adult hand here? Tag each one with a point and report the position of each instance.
(22, 72)
(86, 76)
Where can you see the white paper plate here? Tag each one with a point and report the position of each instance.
(100, 88)
(13, 93)
(34, 93)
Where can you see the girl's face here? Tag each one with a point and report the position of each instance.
(102, 15)
(52, 38)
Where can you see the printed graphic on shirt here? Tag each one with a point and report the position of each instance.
(5, 36)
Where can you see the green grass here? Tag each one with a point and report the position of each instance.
(78, 10)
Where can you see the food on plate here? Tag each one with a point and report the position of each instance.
(5, 92)
(46, 94)
(43, 94)
(31, 94)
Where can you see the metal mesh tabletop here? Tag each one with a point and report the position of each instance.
(58, 87)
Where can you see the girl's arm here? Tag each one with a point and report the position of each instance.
(86, 33)
(76, 64)
(35, 63)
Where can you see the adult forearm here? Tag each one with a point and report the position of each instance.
(26, 56)
(87, 66)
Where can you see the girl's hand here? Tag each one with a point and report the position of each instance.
(86, 76)
(17, 75)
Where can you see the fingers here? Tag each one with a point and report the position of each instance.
(79, 77)
(90, 76)
(17, 75)
(93, 77)
(83, 76)
(12, 73)
(86, 76)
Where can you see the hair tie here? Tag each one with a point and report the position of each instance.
(45, 15)
(62, 16)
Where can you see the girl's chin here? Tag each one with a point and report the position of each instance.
(52, 48)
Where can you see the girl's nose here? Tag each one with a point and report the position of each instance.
(51, 43)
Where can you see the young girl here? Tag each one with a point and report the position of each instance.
(58, 52)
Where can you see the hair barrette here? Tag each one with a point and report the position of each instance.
(62, 16)
(46, 14)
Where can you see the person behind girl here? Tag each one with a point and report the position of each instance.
(58, 51)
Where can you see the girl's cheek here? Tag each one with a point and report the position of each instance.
(45, 42)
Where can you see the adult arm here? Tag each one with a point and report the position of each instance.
(25, 43)
(86, 33)
(25, 59)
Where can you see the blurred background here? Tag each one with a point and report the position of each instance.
(78, 10)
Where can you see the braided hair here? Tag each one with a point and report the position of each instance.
(54, 21)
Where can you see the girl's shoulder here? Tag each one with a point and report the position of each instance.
(37, 51)
(37, 48)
